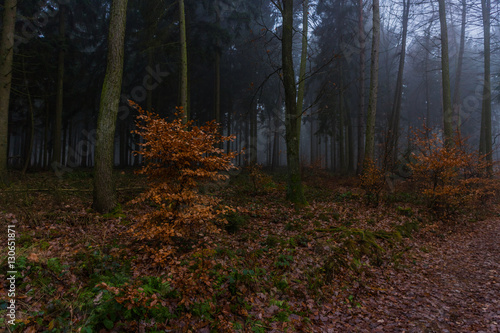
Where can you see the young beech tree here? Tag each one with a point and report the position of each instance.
(180, 159)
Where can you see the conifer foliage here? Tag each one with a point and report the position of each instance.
(180, 158)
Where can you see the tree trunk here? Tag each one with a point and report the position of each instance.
(456, 95)
(485, 146)
(350, 144)
(295, 192)
(311, 142)
(393, 135)
(184, 61)
(228, 121)
(253, 134)
(361, 115)
(445, 66)
(276, 142)
(341, 126)
(303, 58)
(149, 92)
(217, 68)
(104, 187)
(56, 159)
(6, 57)
(30, 142)
(427, 85)
(372, 102)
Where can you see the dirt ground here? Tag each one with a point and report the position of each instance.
(454, 287)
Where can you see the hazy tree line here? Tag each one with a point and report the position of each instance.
(330, 83)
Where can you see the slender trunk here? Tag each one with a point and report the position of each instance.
(60, 90)
(184, 61)
(66, 136)
(229, 128)
(332, 153)
(6, 58)
(372, 102)
(341, 135)
(445, 65)
(253, 133)
(427, 82)
(302, 71)
(303, 58)
(350, 144)
(361, 115)
(217, 68)
(295, 192)
(29, 151)
(149, 92)
(276, 141)
(104, 187)
(456, 95)
(393, 135)
(46, 136)
(311, 141)
(486, 142)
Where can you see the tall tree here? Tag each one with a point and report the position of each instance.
(217, 66)
(392, 144)
(427, 81)
(104, 186)
(184, 60)
(361, 115)
(485, 145)
(303, 57)
(6, 58)
(56, 158)
(293, 115)
(456, 91)
(445, 71)
(372, 101)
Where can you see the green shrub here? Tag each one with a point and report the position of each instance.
(235, 221)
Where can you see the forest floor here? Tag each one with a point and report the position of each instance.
(342, 264)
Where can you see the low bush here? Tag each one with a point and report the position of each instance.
(179, 156)
(449, 178)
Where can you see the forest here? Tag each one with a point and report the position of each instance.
(249, 166)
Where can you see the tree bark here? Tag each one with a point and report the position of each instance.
(303, 58)
(393, 135)
(445, 67)
(456, 94)
(295, 192)
(361, 115)
(104, 186)
(372, 102)
(485, 146)
(184, 61)
(56, 159)
(253, 134)
(350, 143)
(217, 68)
(6, 58)
(426, 74)
(30, 142)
